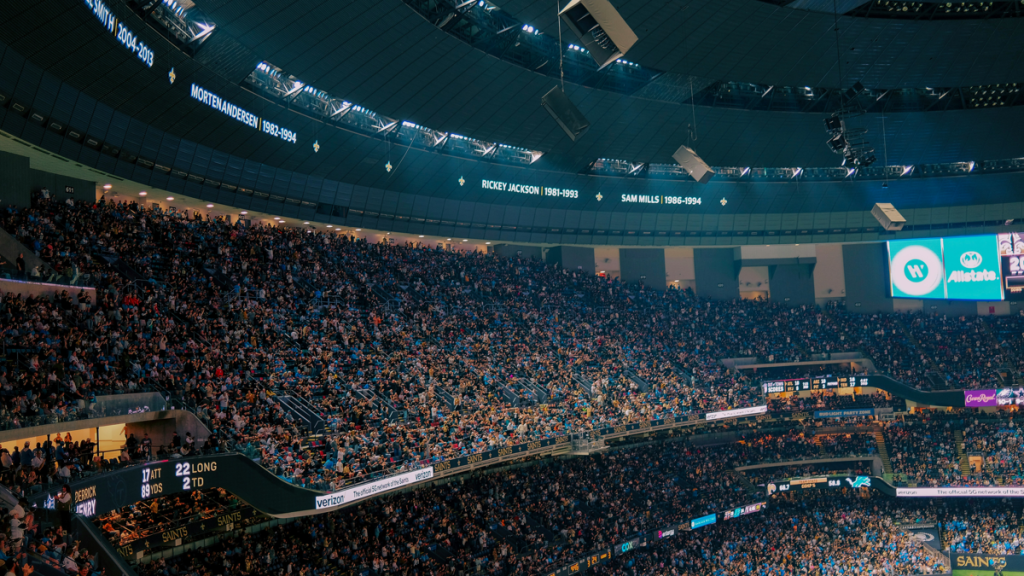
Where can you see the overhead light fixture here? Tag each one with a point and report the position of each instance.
(277, 217)
(330, 226)
(243, 212)
(464, 240)
(421, 235)
(837, 142)
(359, 229)
(107, 186)
(169, 198)
(209, 205)
(449, 239)
(486, 242)
(305, 222)
(143, 193)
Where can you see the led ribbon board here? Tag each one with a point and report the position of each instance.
(126, 37)
(242, 115)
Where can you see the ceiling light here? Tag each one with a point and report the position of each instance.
(464, 240)
(305, 222)
(486, 242)
(449, 239)
(169, 198)
(277, 217)
(421, 235)
(107, 186)
(330, 226)
(243, 212)
(143, 193)
(209, 205)
(359, 229)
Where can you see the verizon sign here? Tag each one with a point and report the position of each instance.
(752, 411)
(373, 488)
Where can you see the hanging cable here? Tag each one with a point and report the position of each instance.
(561, 49)
(839, 55)
(885, 155)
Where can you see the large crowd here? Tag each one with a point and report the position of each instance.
(412, 355)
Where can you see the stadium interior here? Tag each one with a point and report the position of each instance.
(501, 287)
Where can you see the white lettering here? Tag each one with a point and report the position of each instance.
(372, 488)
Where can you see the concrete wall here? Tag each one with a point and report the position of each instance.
(643, 264)
(571, 258)
(715, 273)
(792, 284)
(679, 268)
(84, 190)
(607, 260)
(518, 251)
(867, 286)
(15, 180)
(829, 272)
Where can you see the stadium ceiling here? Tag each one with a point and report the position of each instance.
(397, 59)
(386, 57)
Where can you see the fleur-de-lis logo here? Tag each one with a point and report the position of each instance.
(462, 181)
(724, 201)
(172, 76)
(316, 146)
(599, 197)
(388, 166)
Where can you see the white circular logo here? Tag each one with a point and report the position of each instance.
(916, 270)
(923, 537)
(970, 259)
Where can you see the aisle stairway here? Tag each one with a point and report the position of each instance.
(883, 453)
(934, 374)
(821, 447)
(965, 462)
(745, 482)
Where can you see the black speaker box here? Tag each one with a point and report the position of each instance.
(565, 113)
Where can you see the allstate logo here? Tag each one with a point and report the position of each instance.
(916, 271)
(970, 259)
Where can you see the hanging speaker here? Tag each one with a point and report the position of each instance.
(565, 113)
(692, 163)
(600, 29)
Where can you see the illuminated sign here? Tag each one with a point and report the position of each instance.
(962, 492)
(956, 268)
(372, 488)
(242, 115)
(648, 199)
(529, 189)
(125, 36)
(753, 410)
(703, 521)
(744, 510)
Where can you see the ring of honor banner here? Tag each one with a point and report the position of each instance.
(987, 565)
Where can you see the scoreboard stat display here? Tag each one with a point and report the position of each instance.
(816, 383)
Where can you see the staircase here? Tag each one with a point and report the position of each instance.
(745, 482)
(965, 462)
(583, 382)
(934, 374)
(640, 382)
(303, 412)
(883, 453)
